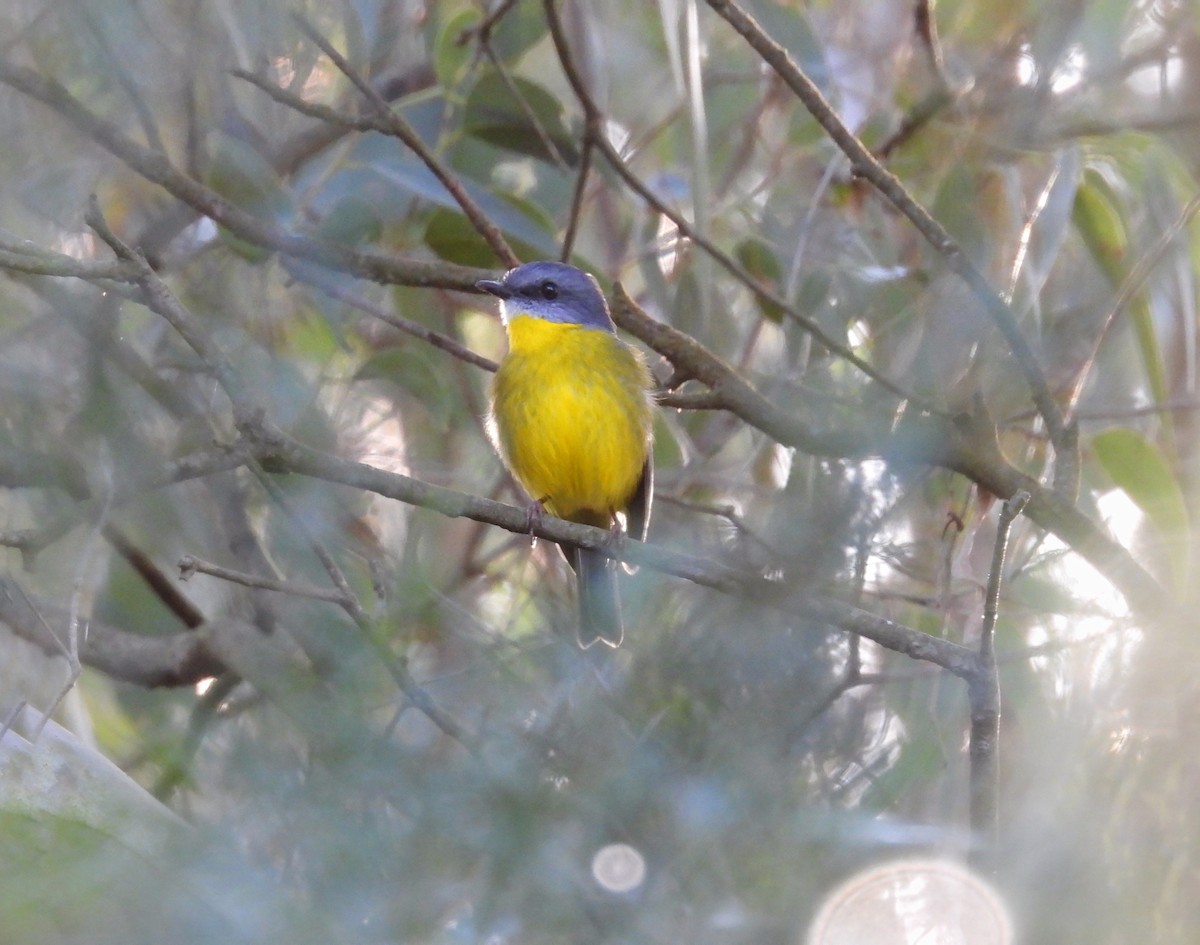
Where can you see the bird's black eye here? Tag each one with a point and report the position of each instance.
(549, 290)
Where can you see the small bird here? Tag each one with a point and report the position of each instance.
(572, 418)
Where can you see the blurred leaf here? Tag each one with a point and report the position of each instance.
(450, 57)
(246, 179)
(968, 204)
(454, 238)
(1099, 220)
(1055, 216)
(761, 263)
(921, 757)
(407, 368)
(1137, 466)
(518, 30)
(788, 25)
(353, 221)
(813, 292)
(1101, 32)
(1100, 224)
(496, 115)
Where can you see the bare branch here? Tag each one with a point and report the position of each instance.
(178, 660)
(189, 565)
(983, 692)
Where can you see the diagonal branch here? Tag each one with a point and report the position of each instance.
(177, 660)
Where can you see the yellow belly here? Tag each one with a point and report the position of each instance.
(572, 417)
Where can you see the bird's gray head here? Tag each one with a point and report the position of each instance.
(551, 291)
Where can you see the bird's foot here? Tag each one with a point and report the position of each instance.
(534, 513)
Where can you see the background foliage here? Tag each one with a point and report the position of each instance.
(423, 755)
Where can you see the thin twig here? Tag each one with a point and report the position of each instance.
(983, 693)
(485, 26)
(526, 109)
(581, 181)
(725, 511)
(192, 466)
(189, 565)
(82, 567)
(416, 694)
(334, 290)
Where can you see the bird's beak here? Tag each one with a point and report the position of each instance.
(492, 287)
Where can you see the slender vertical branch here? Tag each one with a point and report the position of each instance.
(983, 692)
(581, 181)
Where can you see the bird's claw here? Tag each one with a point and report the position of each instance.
(534, 513)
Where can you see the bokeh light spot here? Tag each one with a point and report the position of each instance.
(619, 868)
(905, 902)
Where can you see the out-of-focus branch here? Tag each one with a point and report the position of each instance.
(192, 466)
(983, 693)
(155, 167)
(177, 660)
(19, 256)
(189, 565)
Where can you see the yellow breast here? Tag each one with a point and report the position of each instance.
(571, 413)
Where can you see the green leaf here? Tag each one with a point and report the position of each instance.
(246, 179)
(761, 263)
(353, 221)
(453, 238)
(1098, 218)
(1138, 467)
(1101, 225)
(450, 57)
(518, 30)
(494, 114)
(412, 370)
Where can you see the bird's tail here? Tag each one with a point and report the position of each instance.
(599, 604)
